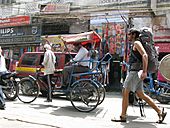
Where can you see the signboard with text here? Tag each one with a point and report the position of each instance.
(163, 47)
(125, 3)
(15, 21)
(21, 34)
(55, 8)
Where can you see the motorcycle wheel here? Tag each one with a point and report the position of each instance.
(12, 91)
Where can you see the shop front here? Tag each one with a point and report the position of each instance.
(17, 40)
(112, 31)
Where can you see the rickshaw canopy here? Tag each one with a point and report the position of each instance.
(83, 38)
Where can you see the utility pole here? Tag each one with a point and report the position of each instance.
(130, 22)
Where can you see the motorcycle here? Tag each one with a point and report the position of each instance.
(9, 85)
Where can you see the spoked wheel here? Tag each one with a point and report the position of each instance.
(102, 92)
(84, 95)
(164, 96)
(11, 91)
(28, 90)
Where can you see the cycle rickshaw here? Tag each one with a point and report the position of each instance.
(85, 91)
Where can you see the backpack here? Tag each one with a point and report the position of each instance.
(146, 38)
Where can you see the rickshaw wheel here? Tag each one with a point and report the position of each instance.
(84, 95)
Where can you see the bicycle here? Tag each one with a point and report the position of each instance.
(157, 89)
(85, 94)
(160, 88)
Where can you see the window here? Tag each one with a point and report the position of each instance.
(29, 59)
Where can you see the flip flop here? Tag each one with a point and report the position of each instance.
(161, 116)
(122, 119)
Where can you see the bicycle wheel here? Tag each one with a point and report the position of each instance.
(28, 90)
(84, 95)
(102, 91)
(12, 91)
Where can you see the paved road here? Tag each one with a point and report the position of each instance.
(61, 114)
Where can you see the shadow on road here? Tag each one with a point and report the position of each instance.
(136, 121)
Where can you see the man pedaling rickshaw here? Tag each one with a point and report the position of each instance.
(78, 64)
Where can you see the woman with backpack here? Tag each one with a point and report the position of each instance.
(134, 80)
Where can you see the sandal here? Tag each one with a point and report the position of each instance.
(161, 116)
(122, 119)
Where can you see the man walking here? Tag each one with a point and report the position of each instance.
(133, 82)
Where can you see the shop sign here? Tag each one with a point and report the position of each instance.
(18, 40)
(163, 3)
(14, 35)
(19, 31)
(55, 8)
(15, 21)
(163, 47)
(125, 3)
(161, 33)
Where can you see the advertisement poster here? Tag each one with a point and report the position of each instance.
(55, 41)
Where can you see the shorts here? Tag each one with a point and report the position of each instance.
(133, 82)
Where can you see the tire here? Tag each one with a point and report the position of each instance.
(84, 95)
(102, 92)
(28, 90)
(163, 99)
(164, 95)
(12, 91)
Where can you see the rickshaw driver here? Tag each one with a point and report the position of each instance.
(81, 66)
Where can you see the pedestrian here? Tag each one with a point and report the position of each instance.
(49, 68)
(133, 81)
(3, 70)
(79, 64)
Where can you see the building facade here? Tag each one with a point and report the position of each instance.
(52, 17)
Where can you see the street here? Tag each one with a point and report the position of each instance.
(60, 114)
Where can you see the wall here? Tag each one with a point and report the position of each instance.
(79, 26)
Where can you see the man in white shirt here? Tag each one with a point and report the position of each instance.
(49, 68)
(80, 64)
(3, 70)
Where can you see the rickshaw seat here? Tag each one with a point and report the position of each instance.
(95, 70)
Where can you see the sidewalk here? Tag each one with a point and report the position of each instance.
(61, 114)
